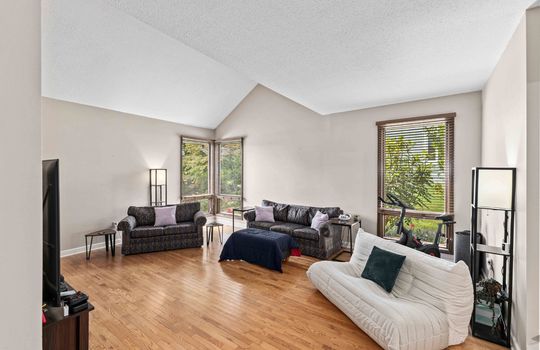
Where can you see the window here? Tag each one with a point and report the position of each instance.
(212, 173)
(229, 171)
(416, 159)
(195, 175)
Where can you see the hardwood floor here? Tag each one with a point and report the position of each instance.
(186, 299)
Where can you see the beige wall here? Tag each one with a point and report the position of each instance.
(533, 178)
(295, 155)
(104, 161)
(20, 175)
(510, 138)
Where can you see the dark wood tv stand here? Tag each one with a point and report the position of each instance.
(69, 332)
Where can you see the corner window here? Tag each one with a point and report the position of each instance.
(416, 164)
(212, 174)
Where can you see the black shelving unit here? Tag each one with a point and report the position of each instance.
(158, 187)
(499, 334)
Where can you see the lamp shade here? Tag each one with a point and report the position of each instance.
(158, 177)
(495, 188)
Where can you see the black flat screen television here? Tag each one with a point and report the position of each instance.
(51, 233)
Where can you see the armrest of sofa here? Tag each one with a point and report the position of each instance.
(249, 215)
(326, 229)
(199, 218)
(127, 224)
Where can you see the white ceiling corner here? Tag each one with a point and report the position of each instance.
(95, 54)
(339, 56)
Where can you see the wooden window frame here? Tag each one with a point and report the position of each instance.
(209, 195)
(225, 196)
(449, 119)
(214, 191)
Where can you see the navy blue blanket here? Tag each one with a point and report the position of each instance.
(264, 248)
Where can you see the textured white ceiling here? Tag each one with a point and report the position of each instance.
(95, 54)
(336, 56)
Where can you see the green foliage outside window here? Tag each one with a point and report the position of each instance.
(195, 160)
(231, 168)
(414, 171)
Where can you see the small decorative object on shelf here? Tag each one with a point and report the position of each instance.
(158, 187)
(493, 189)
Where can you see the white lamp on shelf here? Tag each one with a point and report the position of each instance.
(495, 188)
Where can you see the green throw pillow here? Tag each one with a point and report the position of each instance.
(383, 267)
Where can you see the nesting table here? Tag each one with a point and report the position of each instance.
(110, 237)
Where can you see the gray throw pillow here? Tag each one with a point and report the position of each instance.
(165, 216)
(264, 214)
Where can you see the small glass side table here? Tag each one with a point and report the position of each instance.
(240, 210)
(349, 224)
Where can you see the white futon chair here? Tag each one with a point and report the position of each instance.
(429, 307)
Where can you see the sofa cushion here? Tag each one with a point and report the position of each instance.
(306, 233)
(298, 215)
(186, 211)
(382, 267)
(145, 216)
(146, 231)
(180, 228)
(263, 225)
(286, 227)
(333, 212)
(280, 210)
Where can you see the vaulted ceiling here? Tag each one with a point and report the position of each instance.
(95, 54)
(193, 61)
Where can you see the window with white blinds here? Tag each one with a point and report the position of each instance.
(416, 160)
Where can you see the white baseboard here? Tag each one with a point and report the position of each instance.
(82, 249)
(101, 245)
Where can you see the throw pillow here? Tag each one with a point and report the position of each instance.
(318, 220)
(264, 214)
(165, 216)
(382, 267)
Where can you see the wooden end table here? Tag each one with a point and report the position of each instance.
(109, 234)
(349, 224)
(240, 210)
